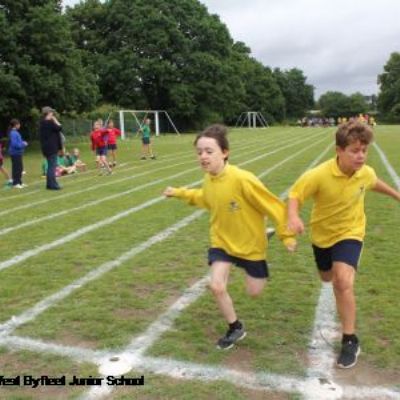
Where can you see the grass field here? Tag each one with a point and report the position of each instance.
(103, 267)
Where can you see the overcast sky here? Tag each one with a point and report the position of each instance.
(340, 45)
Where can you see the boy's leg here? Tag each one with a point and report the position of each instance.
(343, 281)
(255, 286)
(343, 287)
(219, 281)
(338, 264)
(218, 285)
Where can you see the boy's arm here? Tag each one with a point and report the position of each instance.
(271, 206)
(295, 223)
(384, 188)
(305, 187)
(191, 196)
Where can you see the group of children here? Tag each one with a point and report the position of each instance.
(66, 163)
(238, 204)
(104, 139)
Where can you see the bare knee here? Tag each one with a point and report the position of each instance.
(255, 288)
(341, 285)
(217, 288)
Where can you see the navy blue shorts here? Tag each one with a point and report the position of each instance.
(255, 269)
(146, 140)
(112, 146)
(347, 251)
(101, 151)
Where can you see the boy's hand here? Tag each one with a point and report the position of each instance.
(296, 225)
(169, 192)
(291, 246)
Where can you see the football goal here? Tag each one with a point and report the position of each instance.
(130, 121)
(252, 119)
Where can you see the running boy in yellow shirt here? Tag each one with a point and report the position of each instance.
(238, 203)
(338, 188)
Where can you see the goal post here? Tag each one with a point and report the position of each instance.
(136, 119)
(252, 119)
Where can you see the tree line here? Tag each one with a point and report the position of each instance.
(139, 54)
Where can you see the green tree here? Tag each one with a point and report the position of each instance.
(335, 104)
(299, 96)
(389, 95)
(40, 62)
(164, 54)
(357, 104)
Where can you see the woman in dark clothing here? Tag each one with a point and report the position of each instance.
(51, 144)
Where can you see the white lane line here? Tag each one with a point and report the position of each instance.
(89, 228)
(79, 354)
(33, 312)
(389, 168)
(176, 369)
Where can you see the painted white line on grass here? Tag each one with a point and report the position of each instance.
(89, 228)
(79, 354)
(32, 313)
(91, 203)
(19, 195)
(207, 373)
(140, 344)
(325, 331)
(388, 166)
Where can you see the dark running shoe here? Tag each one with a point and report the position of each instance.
(270, 232)
(232, 336)
(349, 354)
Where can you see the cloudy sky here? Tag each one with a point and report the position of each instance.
(339, 44)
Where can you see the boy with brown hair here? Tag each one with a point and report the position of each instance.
(338, 188)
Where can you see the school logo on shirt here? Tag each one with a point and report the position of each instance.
(233, 206)
(360, 192)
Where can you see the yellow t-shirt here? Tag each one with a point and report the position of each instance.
(338, 210)
(238, 203)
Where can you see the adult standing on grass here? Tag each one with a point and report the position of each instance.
(238, 203)
(338, 188)
(51, 144)
(16, 151)
(146, 140)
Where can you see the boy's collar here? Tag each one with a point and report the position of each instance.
(336, 171)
